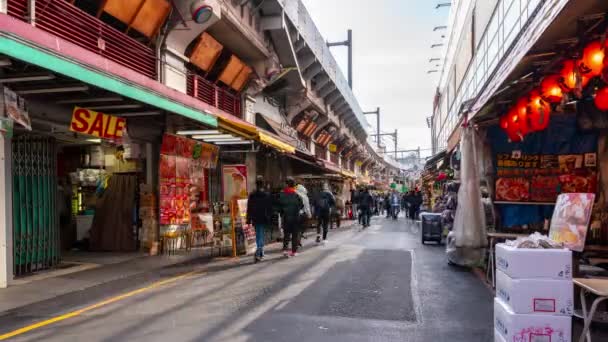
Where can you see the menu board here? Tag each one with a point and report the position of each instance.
(570, 220)
(541, 178)
(182, 177)
(248, 229)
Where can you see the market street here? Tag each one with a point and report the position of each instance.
(379, 284)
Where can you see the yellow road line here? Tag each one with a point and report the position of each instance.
(108, 301)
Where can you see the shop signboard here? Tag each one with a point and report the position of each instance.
(234, 182)
(183, 181)
(14, 108)
(89, 122)
(537, 178)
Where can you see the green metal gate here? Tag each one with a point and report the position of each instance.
(35, 218)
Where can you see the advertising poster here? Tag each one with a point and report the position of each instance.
(234, 182)
(571, 220)
(15, 108)
(248, 229)
(183, 181)
(541, 178)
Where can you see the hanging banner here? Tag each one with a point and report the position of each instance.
(15, 109)
(97, 124)
(234, 182)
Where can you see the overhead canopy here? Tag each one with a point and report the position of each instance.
(42, 53)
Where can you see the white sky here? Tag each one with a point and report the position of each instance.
(391, 50)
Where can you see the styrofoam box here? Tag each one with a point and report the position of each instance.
(498, 337)
(523, 263)
(530, 328)
(536, 296)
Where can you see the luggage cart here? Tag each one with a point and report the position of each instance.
(432, 228)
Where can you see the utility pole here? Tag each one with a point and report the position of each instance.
(396, 142)
(377, 114)
(348, 43)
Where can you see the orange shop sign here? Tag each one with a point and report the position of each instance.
(97, 124)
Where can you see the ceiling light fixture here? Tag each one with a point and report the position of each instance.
(222, 139)
(53, 90)
(212, 136)
(199, 132)
(234, 143)
(98, 141)
(91, 100)
(136, 114)
(124, 106)
(26, 78)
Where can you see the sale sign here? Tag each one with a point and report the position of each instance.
(97, 124)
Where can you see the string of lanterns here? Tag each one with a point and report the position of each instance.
(532, 112)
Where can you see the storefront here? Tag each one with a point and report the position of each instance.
(81, 180)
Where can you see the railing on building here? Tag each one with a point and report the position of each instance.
(320, 152)
(61, 18)
(210, 93)
(334, 158)
(507, 21)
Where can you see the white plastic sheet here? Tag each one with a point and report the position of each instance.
(467, 242)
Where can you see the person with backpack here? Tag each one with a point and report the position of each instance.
(259, 212)
(290, 208)
(366, 202)
(325, 203)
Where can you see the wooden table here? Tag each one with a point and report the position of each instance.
(493, 238)
(598, 287)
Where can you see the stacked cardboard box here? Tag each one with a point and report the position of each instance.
(534, 294)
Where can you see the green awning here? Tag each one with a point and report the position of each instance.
(74, 70)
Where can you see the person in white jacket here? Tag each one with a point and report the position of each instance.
(307, 214)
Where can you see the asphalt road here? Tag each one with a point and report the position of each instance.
(380, 284)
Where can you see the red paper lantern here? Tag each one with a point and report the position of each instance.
(516, 128)
(569, 76)
(522, 115)
(551, 90)
(504, 122)
(539, 112)
(601, 99)
(592, 63)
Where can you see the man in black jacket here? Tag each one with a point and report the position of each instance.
(291, 208)
(259, 212)
(325, 203)
(366, 202)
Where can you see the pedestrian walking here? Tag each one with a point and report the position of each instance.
(325, 203)
(355, 203)
(290, 208)
(338, 211)
(366, 203)
(259, 213)
(306, 213)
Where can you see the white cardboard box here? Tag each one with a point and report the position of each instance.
(498, 337)
(530, 328)
(522, 263)
(536, 296)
